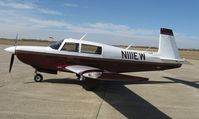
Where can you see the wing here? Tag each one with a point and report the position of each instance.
(86, 71)
(96, 73)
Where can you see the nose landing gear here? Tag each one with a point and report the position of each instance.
(38, 77)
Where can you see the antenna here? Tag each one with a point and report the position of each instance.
(148, 48)
(15, 41)
(83, 36)
(129, 46)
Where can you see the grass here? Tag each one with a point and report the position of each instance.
(184, 53)
(190, 54)
(24, 42)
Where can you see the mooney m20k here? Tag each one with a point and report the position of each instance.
(90, 60)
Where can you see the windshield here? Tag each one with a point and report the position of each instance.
(56, 45)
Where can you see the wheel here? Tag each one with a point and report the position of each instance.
(89, 84)
(38, 78)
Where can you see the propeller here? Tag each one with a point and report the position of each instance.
(13, 54)
(11, 62)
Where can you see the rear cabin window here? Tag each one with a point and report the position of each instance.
(72, 47)
(92, 49)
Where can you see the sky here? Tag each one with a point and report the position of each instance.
(108, 21)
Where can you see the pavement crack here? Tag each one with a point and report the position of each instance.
(103, 97)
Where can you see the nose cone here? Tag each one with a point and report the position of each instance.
(11, 49)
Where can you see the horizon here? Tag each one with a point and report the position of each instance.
(110, 22)
(117, 45)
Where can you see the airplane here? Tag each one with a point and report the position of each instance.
(91, 60)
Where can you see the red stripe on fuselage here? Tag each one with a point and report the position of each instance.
(53, 61)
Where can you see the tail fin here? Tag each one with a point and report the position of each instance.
(167, 45)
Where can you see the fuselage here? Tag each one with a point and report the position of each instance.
(78, 52)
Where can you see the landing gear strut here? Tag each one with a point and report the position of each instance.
(78, 76)
(38, 77)
(87, 83)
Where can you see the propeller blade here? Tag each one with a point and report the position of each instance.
(13, 53)
(15, 41)
(11, 62)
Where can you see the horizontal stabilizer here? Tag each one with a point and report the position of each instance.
(173, 60)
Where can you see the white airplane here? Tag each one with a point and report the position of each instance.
(90, 60)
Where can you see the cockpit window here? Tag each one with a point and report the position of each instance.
(56, 45)
(72, 47)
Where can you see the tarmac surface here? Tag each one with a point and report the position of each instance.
(168, 94)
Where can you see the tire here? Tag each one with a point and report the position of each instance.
(38, 78)
(89, 84)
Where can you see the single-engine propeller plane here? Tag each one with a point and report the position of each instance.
(90, 60)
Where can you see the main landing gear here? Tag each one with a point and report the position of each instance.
(87, 83)
(38, 77)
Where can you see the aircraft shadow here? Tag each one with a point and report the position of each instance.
(188, 83)
(102, 82)
(122, 99)
(59, 81)
(63, 81)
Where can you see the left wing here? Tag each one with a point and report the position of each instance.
(86, 71)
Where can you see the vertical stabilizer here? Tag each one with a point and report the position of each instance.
(167, 45)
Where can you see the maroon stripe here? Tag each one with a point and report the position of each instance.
(52, 61)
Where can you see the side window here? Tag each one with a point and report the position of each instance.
(73, 47)
(91, 49)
